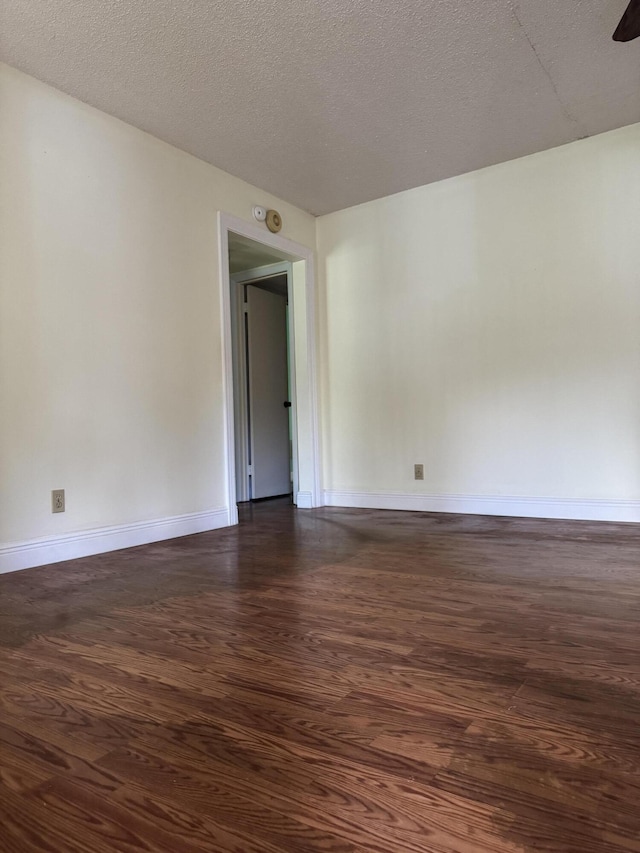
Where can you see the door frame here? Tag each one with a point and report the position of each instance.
(239, 281)
(302, 301)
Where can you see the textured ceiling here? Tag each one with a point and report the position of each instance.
(328, 103)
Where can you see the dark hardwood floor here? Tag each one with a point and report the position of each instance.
(329, 680)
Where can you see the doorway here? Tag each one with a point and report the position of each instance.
(262, 252)
(264, 459)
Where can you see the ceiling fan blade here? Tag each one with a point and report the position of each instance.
(629, 26)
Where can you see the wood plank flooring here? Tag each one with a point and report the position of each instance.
(344, 681)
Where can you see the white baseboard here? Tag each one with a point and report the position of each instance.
(304, 500)
(523, 507)
(69, 546)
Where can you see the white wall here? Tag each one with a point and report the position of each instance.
(488, 326)
(110, 349)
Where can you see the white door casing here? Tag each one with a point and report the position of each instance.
(303, 356)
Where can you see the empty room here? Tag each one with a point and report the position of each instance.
(319, 426)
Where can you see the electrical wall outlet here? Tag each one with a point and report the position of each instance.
(418, 472)
(57, 500)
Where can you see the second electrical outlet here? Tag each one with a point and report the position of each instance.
(418, 472)
(57, 500)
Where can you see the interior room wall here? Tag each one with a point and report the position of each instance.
(488, 327)
(110, 343)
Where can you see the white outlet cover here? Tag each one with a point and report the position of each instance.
(260, 213)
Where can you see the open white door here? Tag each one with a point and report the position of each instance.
(268, 393)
